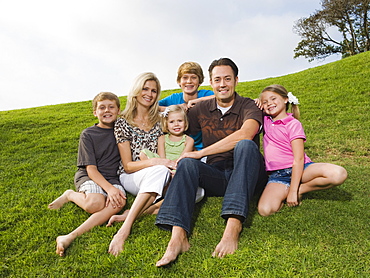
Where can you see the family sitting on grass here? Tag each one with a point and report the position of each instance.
(159, 164)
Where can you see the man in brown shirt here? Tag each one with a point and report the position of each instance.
(230, 125)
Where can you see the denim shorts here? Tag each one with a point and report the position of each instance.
(283, 176)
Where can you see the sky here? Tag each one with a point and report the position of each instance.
(54, 52)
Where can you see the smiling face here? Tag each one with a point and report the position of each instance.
(223, 83)
(106, 111)
(148, 95)
(176, 123)
(189, 83)
(274, 105)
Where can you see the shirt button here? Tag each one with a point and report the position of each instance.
(221, 119)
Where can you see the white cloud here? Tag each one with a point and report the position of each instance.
(63, 51)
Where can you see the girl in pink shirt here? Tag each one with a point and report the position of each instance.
(291, 172)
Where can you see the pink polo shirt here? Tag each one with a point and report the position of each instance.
(277, 142)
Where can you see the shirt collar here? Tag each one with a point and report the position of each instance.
(236, 103)
(282, 121)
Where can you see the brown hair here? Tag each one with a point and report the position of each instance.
(103, 96)
(190, 67)
(280, 90)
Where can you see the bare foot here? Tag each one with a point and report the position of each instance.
(229, 240)
(178, 244)
(116, 245)
(61, 200)
(62, 244)
(118, 218)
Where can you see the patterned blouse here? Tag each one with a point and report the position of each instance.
(139, 139)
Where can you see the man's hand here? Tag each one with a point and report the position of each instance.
(116, 197)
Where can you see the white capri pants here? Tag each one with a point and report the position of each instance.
(147, 180)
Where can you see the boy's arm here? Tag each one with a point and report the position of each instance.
(192, 102)
(115, 196)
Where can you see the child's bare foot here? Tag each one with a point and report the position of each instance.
(118, 218)
(61, 200)
(62, 244)
(229, 240)
(178, 244)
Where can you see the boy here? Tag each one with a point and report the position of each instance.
(189, 77)
(99, 191)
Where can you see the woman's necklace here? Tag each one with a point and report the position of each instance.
(142, 122)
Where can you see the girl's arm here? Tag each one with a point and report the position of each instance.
(189, 144)
(161, 147)
(132, 166)
(297, 172)
(115, 196)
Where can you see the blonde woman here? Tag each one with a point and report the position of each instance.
(138, 129)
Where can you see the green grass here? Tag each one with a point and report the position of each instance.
(327, 236)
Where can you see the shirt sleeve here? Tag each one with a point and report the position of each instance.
(121, 131)
(296, 131)
(86, 152)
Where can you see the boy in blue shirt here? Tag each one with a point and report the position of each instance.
(99, 191)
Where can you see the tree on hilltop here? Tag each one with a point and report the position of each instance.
(320, 31)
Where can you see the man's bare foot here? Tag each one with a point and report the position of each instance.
(62, 244)
(229, 240)
(118, 218)
(178, 244)
(61, 200)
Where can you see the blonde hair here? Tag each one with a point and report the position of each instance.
(190, 67)
(280, 90)
(130, 111)
(103, 96)
(173, 109)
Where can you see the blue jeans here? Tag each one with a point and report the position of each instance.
(235, 180)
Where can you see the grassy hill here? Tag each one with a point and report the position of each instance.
(327, 236)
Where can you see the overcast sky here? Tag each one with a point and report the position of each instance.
(55, 52)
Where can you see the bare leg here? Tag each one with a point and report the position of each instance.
(141, 203)
(61, 200)
(118, 218)
(319, 176)
(95, 219)
(272, 198)
(91, 202)
(178, 244)
(230, 238)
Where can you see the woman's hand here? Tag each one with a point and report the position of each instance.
(164, 161)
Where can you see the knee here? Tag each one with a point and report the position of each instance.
(187, 163)
(265, 210)
(245, 144)
(339, 175)
(94, 205)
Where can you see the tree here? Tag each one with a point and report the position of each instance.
(348, 19)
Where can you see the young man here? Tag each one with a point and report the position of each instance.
(230, 125)
(99, 191)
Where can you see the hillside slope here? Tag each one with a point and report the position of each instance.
(327, 236)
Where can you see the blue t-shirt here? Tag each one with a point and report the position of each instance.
(178, 98)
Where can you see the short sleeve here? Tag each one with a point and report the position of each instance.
(121, 131)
